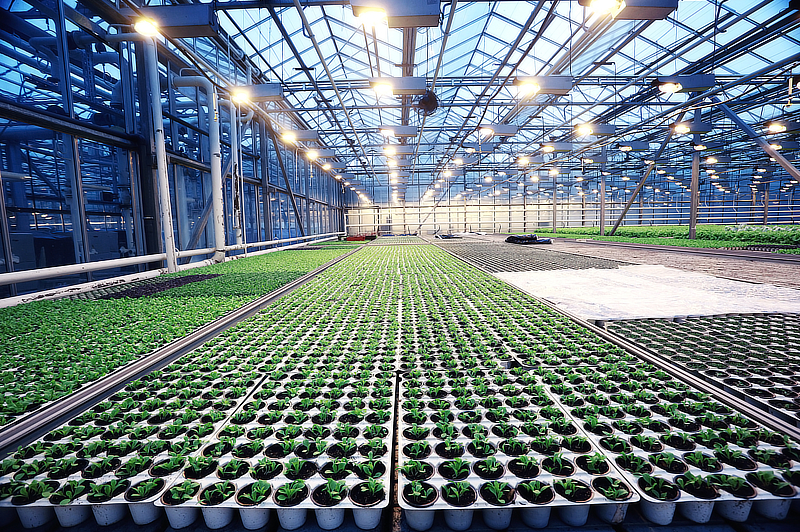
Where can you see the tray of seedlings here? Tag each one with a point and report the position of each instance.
(317, 441)
(83, 341)
(119, 454)
(496, 442)
(756, 357)
(122, 454)
(679, 448)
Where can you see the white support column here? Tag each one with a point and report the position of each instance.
(162, 177)
(218, 213)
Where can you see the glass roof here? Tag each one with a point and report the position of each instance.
(472, 69)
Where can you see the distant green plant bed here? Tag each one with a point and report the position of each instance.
(339, 243)
(49, 349)
(740, 234)
(680, 242)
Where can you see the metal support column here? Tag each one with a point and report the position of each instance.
(8, 255)
(215, 157)
(235, 174)
(286, 182)
(151, 63)
(639, 187)
(694, 188)
(602, 189)
(555, 202)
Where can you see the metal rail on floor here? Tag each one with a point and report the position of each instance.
(758, 415)
(50, 417)
(712, 252)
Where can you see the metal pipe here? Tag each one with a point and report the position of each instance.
(555, 202)
(151, 66)
(235, 169)
(694, 186)
(72, 269)
(216, 157)
(772, 152)
(281, 241)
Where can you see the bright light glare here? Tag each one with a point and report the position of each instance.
(447, 173)
(528, 88)
(386, 132)
(470, 150)
(372, 17)
(146, 26)
(670, 87)
(392, 163)
(682, 128)
(625, 148)
(523, 161)
(326, 166)
(486, 132)
(712, 160)
(584, 129)
(488, 179)
(776, 146)
(383, 88)
(553, 171)
(548, 149)
(240, 96)
(312, 155)
(776, 127)
(700, 147)
(389, 150)
(289, 136)
(458, 162)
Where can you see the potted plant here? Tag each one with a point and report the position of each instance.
(538, 493)
(703, 461)
(364, 495)
(558, 465)
(664, 492)
(107, 514)
(287, 496)
(613, 490)
(702, 488)
(199, 467)
(328, 495)
(144, 512)
(735, 510)
(69, 514)
(250, 496)
(459, 495)
(180, 516)
(498, 494)
(456, 469)
(213, 495)
(489, 468)
(24, 494)
(575, 491)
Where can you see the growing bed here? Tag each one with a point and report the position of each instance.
(504, 406)
(49, 349)
(756, 356)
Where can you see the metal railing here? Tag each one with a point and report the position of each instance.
(72, 269)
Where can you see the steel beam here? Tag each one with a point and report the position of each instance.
(769, 150)
(286, 181)
(639, 187)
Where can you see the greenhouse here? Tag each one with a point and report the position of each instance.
(371, 265)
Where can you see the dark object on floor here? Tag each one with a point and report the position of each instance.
(447, 237)
(158, 286)
(528, 239)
